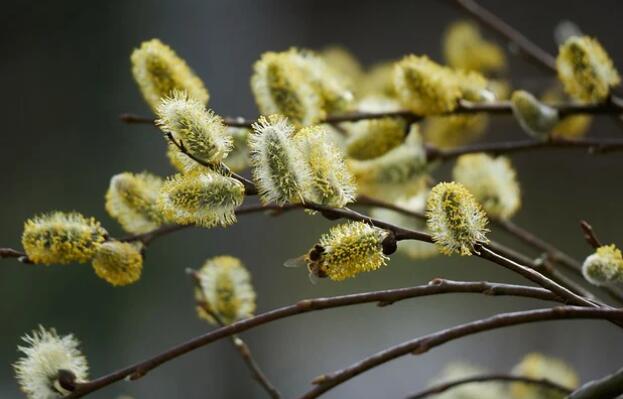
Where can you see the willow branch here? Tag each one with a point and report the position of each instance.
(526, 47)
(383, 297)
(423, 344)
(589, 234)
(238, 343)
(487, 378)
(463, 107)
(554, 254)
(610, 386)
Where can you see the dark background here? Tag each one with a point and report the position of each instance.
(65, 77)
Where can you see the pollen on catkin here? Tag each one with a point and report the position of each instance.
(425, 87)
(585, 69)
(119, 263)
(280, 86)
(465, 48)
(44, 356)
(159, 72)
(455, 219)
(224, 290)
(400, 172)
(492, 181)
(414, 249)
(205, 198)
(349, 249)
(535, 118)
(279, 169)
(539, 366)
(61, 238)
(605, 266)
(332, 184)
(200, 131)
(131, 200)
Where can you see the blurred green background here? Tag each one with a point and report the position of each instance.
(65, 76)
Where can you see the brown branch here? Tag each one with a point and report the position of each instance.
(423, 344)
(592, 145)
(384, 297)
(589, 234)
(238, 343)
(443, 387)
(555, 255)
(463, 107)
(526, 47)
(13, 253)
(610, 386)
(249, 186)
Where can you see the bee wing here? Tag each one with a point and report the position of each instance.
(296, 262)
(312, 278)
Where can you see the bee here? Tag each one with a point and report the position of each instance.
(312, 260)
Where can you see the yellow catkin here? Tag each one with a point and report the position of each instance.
(159, 72)
(539, 366)
(400, 172)
(332, 184)
(61, 238)
(347, 250)
(604, 267)
(585, 69)
(131, 200)
(454, 218)
(465, 48)
(280, 86)
(492, 181)
(119, 263)
(224, 291)
(425, 87)
(44, 354)
(205, 198)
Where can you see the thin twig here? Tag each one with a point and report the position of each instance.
(423, 344)
(463, 107)
(525, 46)
(238, 343)
(488, 378)
(589, 234)
(610, 386)
(555, 255)
(383, 297)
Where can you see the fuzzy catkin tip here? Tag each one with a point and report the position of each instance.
(201, 132)
(61, 238)
(331, 182)
(455, 219)
(159, 72)
(225, 290)
(279, 168)
(45, 355)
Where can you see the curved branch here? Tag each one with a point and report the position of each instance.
(610, 386)
(384, 297)
(440, 388)
(423, 344)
